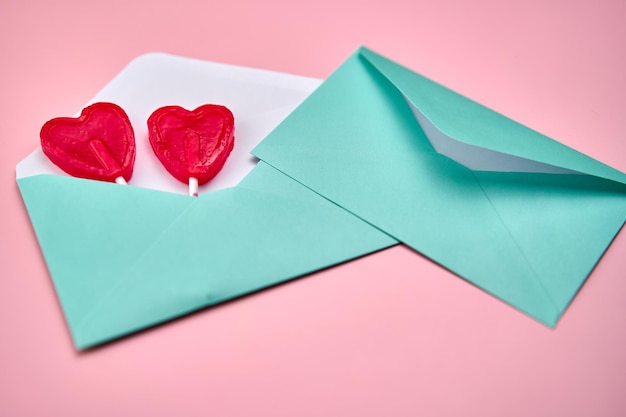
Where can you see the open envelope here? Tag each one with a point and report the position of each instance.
(508, 209)
(123, 258)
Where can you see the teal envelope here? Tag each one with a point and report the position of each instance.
(508, 209)
(123, 258)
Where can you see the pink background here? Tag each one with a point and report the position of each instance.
(389, 334)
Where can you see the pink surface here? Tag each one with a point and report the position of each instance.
(389, 334)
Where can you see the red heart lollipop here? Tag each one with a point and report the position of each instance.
(192, 145)
(97, 145)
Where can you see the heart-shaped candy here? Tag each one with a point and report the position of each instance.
(192, 144)
(97, 145)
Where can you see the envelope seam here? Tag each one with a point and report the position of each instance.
(123, 279)
(508, 231)
(409, 104)
(325, 198)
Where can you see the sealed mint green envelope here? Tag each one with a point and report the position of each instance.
(508, 209)
(123, 258)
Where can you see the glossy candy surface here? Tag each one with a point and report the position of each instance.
(97, 145)
(192, 144)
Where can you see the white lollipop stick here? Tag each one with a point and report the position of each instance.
(121, 180)
(193, 186)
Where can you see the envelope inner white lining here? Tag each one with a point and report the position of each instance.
(260, 100)
(477, 158)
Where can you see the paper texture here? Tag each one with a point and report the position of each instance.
(530, 238)
(123, 258)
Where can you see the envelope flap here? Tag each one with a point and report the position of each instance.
(355, 142)
(482, 132)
